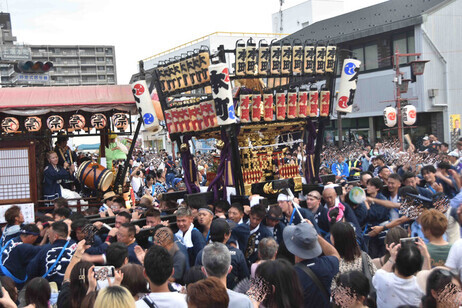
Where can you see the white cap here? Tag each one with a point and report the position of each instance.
(454, 154)
(283, 197)
(255, 201)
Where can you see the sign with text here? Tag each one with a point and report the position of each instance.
(16, 53)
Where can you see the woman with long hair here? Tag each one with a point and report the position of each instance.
(134, 280)
(38, 293)
(343, 237)
(393, 236)
(285, 290)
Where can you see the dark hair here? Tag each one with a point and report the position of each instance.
(63, 212)
(382, 168)
(259, 211)
(134, 279)
(158, 265)
(364, 173)
(380, 157)
(76, 216)
(356, 281)
(284, 253)
(152, 212)
(131, 228)
(376, 182)
(238, 207)
(345, 241)
(218, 229)
(79, 287)
(89, 300)
(159, 173)
(444, 165)
(79, 223)
(282, 276)
(445, 144)
(119, 200)
(60, 228)
(38, 292)
(208, 292)
(10, 287)
(61, 202)
(222, 204)
(437, 281)
(407, 190)
(408, 260)
(395, 176)
(126, 215)
(427, 169)
(407, 175)
(194, 274)
(116, 254)
(32, 228)
(11, 214)
(393, 236)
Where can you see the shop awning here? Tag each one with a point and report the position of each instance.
(42, 100)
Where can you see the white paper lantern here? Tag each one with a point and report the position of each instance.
(409, 114)
(390, 116)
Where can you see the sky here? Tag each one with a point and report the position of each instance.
(137, 28)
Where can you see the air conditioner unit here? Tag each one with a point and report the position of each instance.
(432, 93)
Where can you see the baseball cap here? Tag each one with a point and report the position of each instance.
(302, 240)
(453, 154)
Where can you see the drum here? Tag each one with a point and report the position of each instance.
(95, 176)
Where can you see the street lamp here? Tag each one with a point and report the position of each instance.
(403, 87)
(417, 68)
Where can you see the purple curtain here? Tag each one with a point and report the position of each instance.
(187, 162)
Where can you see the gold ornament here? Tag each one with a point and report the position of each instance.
(220, 144)
(184, 147)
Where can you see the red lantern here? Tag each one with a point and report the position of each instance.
(33, 124)
(98, 121)
(55, 123)
(120, 121)
(77, 122)
(10, 125)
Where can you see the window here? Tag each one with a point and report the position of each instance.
(404, 43)
(99, 49)
(371, 57)
(101, 77)
(109, 60)
(358, 53)
(99, 59)
(100, 68)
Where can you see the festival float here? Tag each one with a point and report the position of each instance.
(269, 97)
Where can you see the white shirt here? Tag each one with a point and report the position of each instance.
(164, 300)
(393, 291)
(454, 259)
(136, 184)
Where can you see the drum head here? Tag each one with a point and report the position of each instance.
(106, 181)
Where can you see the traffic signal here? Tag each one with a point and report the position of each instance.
(32, 67)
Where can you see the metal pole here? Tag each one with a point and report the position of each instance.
(398, 102)
(340, 131)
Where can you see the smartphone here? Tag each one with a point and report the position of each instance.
(408, 240)
(104, 272)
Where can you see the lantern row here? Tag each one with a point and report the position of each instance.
(275, 60)
(252, 108)
(56, 123)
(409, 115)
(282, 106)
(288, 59)
(187, 72)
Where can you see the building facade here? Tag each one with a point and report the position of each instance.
(78, 65)
(373, 35)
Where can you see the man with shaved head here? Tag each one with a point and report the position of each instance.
(329, 195)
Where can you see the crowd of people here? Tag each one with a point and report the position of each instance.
(383, 230)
